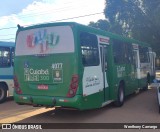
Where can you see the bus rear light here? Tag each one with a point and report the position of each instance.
(73, 86)
(18, 91)
(17, 86)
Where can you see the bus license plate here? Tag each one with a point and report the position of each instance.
(43, 87)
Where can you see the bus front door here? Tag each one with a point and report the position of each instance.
(103, 51)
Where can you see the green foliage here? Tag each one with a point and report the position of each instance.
(138, 19)
(101, 24)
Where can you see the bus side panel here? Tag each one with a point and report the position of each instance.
(93, 101)
(93, 87)
(131, 81)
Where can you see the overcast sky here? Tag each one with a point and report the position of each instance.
(28, 12)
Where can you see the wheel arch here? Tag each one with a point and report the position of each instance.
(4, 84)
(3, 91)
(120, 97)
(122, 82)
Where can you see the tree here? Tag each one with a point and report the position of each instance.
(152, 9)
(127, 14)
(101, 24)
(138, 19)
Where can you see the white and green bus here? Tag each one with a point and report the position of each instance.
(70, 65)
(6, 69)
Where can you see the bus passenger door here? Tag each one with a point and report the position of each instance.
(137, 68)
(103, 52)
(136, 61)
(152, 56)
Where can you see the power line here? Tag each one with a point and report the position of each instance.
(6, 35)
(7, 39)
(78, 17)
(59, 20)
(56, 10)
(51, 11)
(7, 28)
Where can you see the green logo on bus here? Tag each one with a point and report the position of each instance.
(57, 76)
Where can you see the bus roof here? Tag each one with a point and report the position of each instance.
(87, 28)
(7, 44)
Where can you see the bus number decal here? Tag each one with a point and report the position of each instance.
(57, 72)
(57, 65)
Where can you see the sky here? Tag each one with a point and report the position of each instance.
(31, 12)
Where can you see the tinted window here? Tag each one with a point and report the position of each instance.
(144, 54)
(12, 56)
(5, 60)
(122, 51)
(118, 52)
(89, 49)
(128, 53)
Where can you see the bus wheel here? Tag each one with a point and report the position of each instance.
(3, 93)
(120, 96)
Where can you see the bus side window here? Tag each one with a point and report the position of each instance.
(12, 56)
(135, 58)
(89, 49)
(1, 57)
(128, 53)
(144, 54)
(5, 57)
(118, 52)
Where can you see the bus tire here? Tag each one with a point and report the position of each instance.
(3, 93)
(120, 96)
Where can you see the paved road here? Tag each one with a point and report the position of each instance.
(138, 108)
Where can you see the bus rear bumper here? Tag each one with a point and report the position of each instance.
(48, 101)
